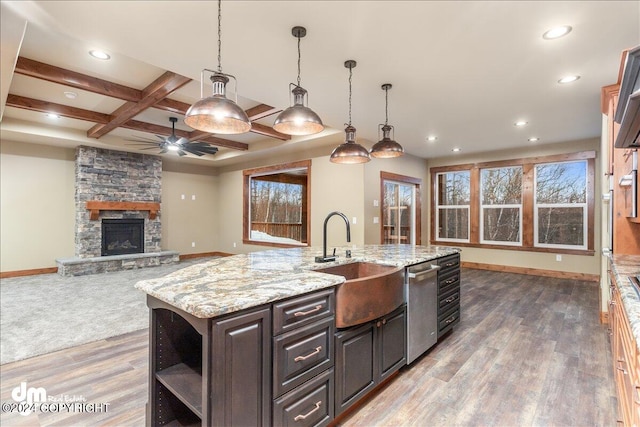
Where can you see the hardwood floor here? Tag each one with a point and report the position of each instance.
(529, 351)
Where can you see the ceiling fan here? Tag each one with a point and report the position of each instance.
(182, 146)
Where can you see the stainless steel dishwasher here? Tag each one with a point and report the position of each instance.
(421, 292)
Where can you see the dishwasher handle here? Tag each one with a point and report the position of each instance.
(420, 274)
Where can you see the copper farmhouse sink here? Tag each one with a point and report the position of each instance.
(370, 291)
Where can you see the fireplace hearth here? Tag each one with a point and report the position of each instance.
(122, 236)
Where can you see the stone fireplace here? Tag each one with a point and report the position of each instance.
(116, 187)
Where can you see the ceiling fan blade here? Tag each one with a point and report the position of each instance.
(181, 153)
(162, 151)
(195, 152)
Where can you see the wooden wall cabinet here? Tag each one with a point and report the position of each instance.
(366, 355)
(625, 361)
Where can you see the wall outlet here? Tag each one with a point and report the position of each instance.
(558, 257)
(182, 196)
(193, 197)
(376, 219)
(375, 203)
(234, 244)
(354, 219)
(193, 244)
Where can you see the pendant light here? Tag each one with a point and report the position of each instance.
(217, 113)
(350, 152)
(386, 148)
(298, 119)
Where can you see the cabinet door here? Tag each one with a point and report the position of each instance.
(392, 344)
(355, 364)
(241, 376)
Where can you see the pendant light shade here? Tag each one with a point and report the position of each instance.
(298, 119)
(217, 113)
(386, 148)
(350, 152)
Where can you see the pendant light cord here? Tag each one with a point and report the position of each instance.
(350, 75)
(299, 55)
(386, 106)
(219, 36)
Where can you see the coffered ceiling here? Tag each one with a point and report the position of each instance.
(462, 71)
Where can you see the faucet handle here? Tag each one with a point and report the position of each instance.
(334, 251)
(348, 254)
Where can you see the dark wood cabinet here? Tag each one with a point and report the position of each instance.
(448, 293)
(366, 355)
(207, 372)
(241, 369)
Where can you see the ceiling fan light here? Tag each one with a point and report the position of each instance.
(172, 147)
(217, 113)
(298, 119)
(350, 152)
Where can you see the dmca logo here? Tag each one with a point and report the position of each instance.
(28, 397)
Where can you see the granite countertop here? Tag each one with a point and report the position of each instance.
(623, 266)
(234, 283)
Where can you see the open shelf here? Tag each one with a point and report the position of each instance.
(185, 383)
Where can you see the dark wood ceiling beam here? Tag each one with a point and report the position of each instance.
(59, 109)
(40, 70)
(173, 106)
(267, 131)
(261, 111)
(95, 117)
(156, 91)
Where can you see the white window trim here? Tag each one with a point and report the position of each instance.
(444, 239)
(501, 242)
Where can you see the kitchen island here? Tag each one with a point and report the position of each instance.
(249, 339)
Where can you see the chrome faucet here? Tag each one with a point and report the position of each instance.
(324, 257)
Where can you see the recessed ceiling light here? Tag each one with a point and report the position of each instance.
(456, 149)
(557, 32)
(99, 54)
(70, 95)
(432, 138)
(533, 139)
(568, 79)
(521, 123)
(53, 116)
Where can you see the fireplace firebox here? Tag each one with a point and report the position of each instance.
(122, 236)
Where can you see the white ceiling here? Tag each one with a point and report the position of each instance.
(464, 71)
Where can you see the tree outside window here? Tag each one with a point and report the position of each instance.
(453, 200)
(561, 204)
(501, 205)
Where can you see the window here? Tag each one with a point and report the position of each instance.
(501, 205)
(540, 204)
(401, 209)
(275, 208)
(561, 205)
(453, 201)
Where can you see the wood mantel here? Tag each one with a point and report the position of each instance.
(95, 206)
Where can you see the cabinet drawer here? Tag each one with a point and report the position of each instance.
(311, 404)
(447, 321)
(450, 262)
(446, 282)
(447, 301)
(301, 354)
(302, 310)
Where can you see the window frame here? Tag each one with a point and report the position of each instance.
(584, 205)
(448, 207)
(528, 195)
(246, 202)
(504, 206)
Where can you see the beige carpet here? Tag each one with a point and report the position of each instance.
(44, 313)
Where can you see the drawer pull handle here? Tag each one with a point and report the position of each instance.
(450, 264)
(449, 320)
(304, 313)
(450, 299)
(624, 372)
(302, 417)
(313, 353)
(450, 281)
